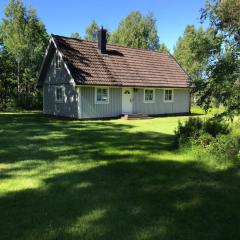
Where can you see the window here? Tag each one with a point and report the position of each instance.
(168, 95)
(58, 61)
(149, 95)
(102, 95)
(59, 94)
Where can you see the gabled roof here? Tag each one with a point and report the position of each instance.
(121, 66)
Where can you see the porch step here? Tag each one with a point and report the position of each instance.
(137, 116)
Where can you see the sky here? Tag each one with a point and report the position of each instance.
(62, 17)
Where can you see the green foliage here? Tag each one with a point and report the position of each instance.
(195, 127)
(225, 146)
(214, 127)
(203, 140)
(7, 83)
(163, 48)
(24, 39)
(224, 16)
(91, 31)
(137, 31)
(189, 129)
(212, 135)
(75, 35)
(222, 76)
(193, 50)
(222, 84)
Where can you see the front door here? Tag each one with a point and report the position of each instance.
(127, 99)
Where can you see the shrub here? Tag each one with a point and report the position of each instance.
(190, 129)
(225, 146)
(204, 140)
(215, 127)
(196, 128)
(238, 156)
(213, 135)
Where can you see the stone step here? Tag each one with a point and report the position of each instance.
(136, 116)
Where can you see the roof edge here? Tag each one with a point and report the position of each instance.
(132, 86)
(111, 44)
(189, 78)
(52, 41)
(62, 57)
(43, 63)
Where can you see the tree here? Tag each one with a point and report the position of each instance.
(137, 31)
(193, 50)
(75, 35)
(91, 31)
(223, 73)
(24, 38)
(7, 84)
(163, 48)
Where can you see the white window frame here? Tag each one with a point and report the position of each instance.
(102, 102)
(63, 94)
(58, 61)
(149, 101)
(164, 95)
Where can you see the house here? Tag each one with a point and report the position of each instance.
(84, 79)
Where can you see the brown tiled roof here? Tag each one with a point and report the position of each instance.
(121, 66)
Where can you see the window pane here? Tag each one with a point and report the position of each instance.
(99, 95)
(148, 95)
(102, 95)
(168, 95)
(151, 95)
(59, 94)
(58, 62)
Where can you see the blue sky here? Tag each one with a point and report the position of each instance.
(66, 16)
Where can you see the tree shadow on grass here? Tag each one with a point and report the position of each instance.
(140, 200)
(122, 199)
(35, 137)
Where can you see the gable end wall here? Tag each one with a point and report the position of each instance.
(55, 78)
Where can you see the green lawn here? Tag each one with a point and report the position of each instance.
(110, 180)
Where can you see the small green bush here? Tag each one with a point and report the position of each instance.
(215, 127)
(238, 156)
(197, 127)
(204, 140)
(189, 130)
(215, 136)
(225, 146)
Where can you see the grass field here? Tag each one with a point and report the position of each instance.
(110, 180)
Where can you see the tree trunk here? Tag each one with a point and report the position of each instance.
(18, 77)
(18, 82)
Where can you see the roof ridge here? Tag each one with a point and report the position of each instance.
(110, 44)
